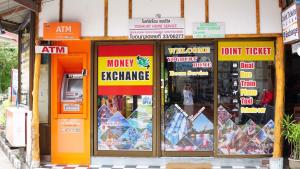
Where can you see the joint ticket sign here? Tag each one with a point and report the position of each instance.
(156, 28)
(125, 69)
(246, 51)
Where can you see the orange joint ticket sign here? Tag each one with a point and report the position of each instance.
(246, 51)
(62, 31)
(125, 70)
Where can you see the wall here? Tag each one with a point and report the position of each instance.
(239, 15)
(49, 13)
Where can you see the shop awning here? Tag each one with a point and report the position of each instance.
(15, 12)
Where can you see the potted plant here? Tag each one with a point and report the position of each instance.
(291, 132)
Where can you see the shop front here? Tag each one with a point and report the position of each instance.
(158, 79)
(183, 98)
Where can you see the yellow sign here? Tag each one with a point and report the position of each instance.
(246, 51)
(125, 71)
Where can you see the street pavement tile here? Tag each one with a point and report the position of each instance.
(107, 166)
(154, 166)
(130, 166)
(216, 167)
(118, 166)
(94, 166)
(250, 167)
(136, 167)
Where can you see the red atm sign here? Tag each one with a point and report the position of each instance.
(51, 49)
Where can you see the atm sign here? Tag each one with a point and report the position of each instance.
(51, 49)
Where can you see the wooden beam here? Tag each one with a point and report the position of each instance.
(279, 95)
(105, 17)
(189, 37)
(29, 4)
(12, 10)
(182, 8)
(280, 3)
(10, 27)
(35, 126)
(10, 22)
(257, 16)
(130, 9)
(265, 35)
(61, 5)
(206, 11)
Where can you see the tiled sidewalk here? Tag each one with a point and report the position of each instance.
(136, 167)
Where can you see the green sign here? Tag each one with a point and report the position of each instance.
(209, 30)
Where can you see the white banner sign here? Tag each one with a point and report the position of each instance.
(291, 33)
(156, 28)
(289, 23)
(289, 16)
(51, 49)
(209, 30)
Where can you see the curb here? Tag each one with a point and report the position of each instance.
(12, 155)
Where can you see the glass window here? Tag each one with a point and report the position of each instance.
(188, 97)
(125, 122)
(246, 107)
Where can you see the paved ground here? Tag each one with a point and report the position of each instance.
(136, 167)
(4, 162)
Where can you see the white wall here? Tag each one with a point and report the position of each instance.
(194, 11)
(239, 15)
(270, 16)
(49, 13)
(118, 17)
(149, 8)
(90, 13)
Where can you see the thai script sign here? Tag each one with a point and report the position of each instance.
(289, 20)
(156, 28)
(209, 30)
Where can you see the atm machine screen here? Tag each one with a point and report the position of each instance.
(72, 87)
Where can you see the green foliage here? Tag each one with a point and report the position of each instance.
(3, 108)
(8, 61)
(291, 132)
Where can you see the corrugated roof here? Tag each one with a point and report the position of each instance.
(12, 15)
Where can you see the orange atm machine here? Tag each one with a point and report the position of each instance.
(70, 121)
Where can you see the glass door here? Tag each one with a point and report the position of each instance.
(187, 118)
(125, 114)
